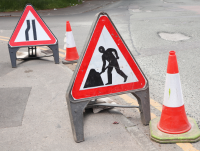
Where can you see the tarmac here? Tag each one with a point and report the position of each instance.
(34, 114)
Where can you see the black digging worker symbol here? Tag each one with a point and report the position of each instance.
(113, 63)
(94, 78)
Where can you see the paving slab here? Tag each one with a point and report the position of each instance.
(13, 103)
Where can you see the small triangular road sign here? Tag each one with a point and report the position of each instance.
(31, 30)
(106, 66)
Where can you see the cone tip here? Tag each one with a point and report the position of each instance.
(172, 67)
(68, 27)
(172, 52)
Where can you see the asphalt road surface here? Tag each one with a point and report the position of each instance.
(150, 28)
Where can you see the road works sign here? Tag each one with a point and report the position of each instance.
(107, 65)
(31, 30)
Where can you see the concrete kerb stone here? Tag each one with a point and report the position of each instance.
(133, 129)
(192, 136)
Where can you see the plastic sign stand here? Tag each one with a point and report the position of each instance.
(106, 68)
(31, 31)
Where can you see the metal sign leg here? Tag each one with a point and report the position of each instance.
(76, 118)
(144, 105)
(13, 56)
(54, 48)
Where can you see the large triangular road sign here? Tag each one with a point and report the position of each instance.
(106, 66)
(31, 30)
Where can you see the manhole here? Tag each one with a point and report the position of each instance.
(173, 36)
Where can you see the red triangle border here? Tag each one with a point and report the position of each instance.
(12, 42)
(99, 91)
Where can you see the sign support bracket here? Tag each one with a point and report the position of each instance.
(76, 118)
(54, 48)
(144, 105)
(13, 56)
(76, 111)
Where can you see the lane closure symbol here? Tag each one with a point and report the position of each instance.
(31, 30)
(28, 28)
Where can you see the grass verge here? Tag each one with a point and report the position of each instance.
(17, 5)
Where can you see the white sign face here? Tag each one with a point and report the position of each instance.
(117, 70)
(31, 30)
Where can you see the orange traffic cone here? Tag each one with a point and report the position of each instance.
(173, 118)
(71, 51)
(173, 124)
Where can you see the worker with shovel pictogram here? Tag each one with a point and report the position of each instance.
(94, 79)
(113, 63)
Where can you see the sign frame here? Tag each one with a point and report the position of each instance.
(13, 49)
(82, 56)
(76, 107)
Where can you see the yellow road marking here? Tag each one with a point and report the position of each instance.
(43, 48)
(187, 147)
(62, 50)
(5, 37)
(153, 116)
(128, 99)
(60, 54)
(158, 106)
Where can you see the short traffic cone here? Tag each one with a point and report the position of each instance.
(173, 118)
(71, 51)
(173, 124)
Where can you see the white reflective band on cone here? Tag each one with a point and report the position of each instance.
(70, 43)
(173, 96)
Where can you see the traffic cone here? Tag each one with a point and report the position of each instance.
(71, 51)
(173, 124)
(173, 118)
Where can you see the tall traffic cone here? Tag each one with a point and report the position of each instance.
(71, 51)
(173, 118)
(173, 123)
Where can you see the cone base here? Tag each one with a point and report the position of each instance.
(74, 59)
(174, 120)
(69, 62)
(178, 132)
(193, 135)
(71, 54)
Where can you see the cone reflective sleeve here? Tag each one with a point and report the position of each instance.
(71, 51)
(70, 43)
(173, 118)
